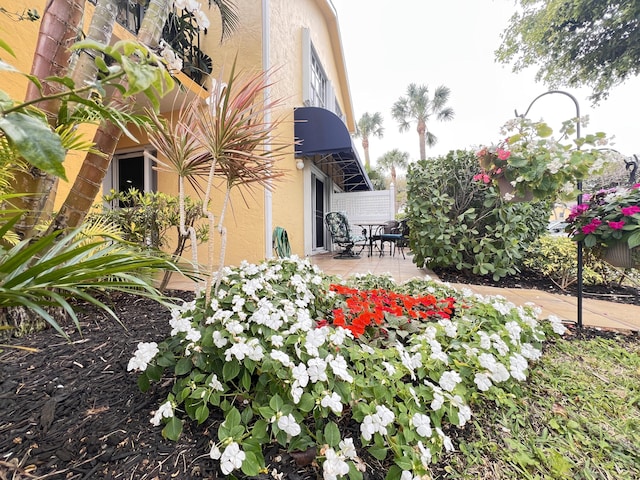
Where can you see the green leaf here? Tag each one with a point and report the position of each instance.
(230, 370)
(276, 403)
(183, 366)
(332, 434)
(251, 466)
(259, 431)
(5, 46)
(143, 383)
(202, 413)
(306, 403)
(35, 142)
(378, 452)
(232, 418)
(172, 429)
(634, 240)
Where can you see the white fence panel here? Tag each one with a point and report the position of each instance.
(365, 207)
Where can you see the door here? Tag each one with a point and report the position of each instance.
(319, 208)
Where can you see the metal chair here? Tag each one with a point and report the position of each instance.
(398, 236)
(341, 234)
(386, 234)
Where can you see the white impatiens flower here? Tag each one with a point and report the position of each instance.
(446, 440)
(334, 465)
(518, 365)
(514, 332)
(437, 402)
(232, 458)
(333, 402)
(407, 475)
(300, 375)
(281, 357)
(218, 340)
(482, 381)
(288, 424)
(277, 341)
(377, 422)
(317, 370)
(449, 380)
(164, 411)
(347, 448)
(144, 354)
(216, 384)
(340, 368)
(464, 411)
(215, 452)
(425, 454)
(530, 352)
(391, 370)
(423, 424)
(556, 325)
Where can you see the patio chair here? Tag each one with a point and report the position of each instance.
(386, 234)
(341, 235)
(398, 238)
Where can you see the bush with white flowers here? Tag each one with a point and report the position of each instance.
(265, 352)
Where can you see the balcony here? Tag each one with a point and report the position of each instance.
(180, 32)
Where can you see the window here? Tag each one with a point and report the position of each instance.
(318, 82)
(131, 169)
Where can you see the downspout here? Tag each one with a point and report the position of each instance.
(266, 65)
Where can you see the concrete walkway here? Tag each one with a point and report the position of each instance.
(596, 313)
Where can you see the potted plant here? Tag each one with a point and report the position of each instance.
(531, 164)
(609, 221)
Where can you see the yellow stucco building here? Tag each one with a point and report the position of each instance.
(299, 42)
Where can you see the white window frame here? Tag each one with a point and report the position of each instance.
(150, 177)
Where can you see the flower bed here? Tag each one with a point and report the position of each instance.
(287, 355)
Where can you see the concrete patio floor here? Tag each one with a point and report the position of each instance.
(595, 313)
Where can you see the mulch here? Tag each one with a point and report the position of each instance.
(72, 411)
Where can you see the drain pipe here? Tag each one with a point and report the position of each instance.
(268, 194)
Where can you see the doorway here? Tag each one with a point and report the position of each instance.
(319, 202)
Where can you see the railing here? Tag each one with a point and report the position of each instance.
(180, 32)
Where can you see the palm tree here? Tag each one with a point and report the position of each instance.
(419, 108)
(88, 181)
(369, 125)
(392, 159)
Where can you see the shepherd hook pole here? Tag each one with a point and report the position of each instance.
(579, 185)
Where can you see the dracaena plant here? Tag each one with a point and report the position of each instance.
(266, 354)
(224, 138)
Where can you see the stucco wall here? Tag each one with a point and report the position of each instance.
(245, 220)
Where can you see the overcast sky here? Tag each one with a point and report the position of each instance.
(388, 45)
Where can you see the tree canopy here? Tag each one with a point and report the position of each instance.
(575, 43)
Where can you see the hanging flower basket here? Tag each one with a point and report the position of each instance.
(507, 192)
(620, 255)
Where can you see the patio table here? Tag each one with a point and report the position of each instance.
(370, 226)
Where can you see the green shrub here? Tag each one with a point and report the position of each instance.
(458, 222)
(556, 258)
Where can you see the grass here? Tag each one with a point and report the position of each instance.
(578, 417)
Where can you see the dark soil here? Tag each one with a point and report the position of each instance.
(612, 292)
(72, 411)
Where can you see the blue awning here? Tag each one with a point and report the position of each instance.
(320, 132)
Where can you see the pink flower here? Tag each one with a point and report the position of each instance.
(503, 154)
(577, 210)
(628, 211)
(482, 176)
(595, 223)
(616, 225)
(636, 185)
